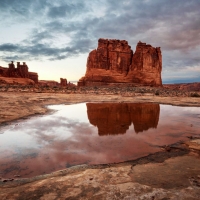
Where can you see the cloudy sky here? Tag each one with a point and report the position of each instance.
(55, 37)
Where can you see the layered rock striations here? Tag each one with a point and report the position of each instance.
(114, 62)
(116, 118)
(20, 72)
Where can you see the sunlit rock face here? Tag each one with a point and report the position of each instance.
(114, 62)
(116, 118)
(146, 65)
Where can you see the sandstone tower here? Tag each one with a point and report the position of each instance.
(114, 62)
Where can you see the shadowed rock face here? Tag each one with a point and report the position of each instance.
(115, 118)
(114, 62)
(144, 116)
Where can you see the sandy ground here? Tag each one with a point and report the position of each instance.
(172, 173)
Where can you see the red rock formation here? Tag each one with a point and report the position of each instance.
(3, 71)
(48, 83)
(63, 82)
(146, 65)
(116, 118)
(14, 81)
(20, 72)
(33, 76)
(184, 86)
(114, 62)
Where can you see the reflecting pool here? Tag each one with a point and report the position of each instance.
(92, 133)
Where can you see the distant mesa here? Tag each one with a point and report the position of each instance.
(184, 86)
(114, 62)
(20, 72)
(116, 118)
(49, 83)
(21, 75)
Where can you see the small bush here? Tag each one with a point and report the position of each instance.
(195, 95)
(157, 93)
(95, 88)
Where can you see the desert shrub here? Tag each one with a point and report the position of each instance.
(195, 95)
(157, 93)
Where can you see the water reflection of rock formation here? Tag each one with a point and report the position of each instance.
(115, 118)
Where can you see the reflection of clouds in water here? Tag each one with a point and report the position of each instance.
(47, 126)
(60, 141)
(169, 110)
(75, 111)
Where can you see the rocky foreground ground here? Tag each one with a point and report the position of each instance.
(172, 173)
(179, 90)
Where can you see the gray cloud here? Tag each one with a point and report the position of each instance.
(8, 47)
(23, 10)
(44, 50)
(172, 24)
(15, 6)
(66, 9)
(12, 58)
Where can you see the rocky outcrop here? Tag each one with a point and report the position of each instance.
(116, 118)
(16, 81)
(20, 72)
(63, 82)
(114, 62)
(48, 83)
(183, 86)
(33, 76)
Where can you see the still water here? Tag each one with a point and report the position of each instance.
(92, 133)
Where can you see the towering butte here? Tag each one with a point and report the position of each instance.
(114, 62)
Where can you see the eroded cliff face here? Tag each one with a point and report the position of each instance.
(114, 62)
(146, 65)
(116, 118)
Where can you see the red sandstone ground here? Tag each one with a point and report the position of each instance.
(13, 81)
(172, 173)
